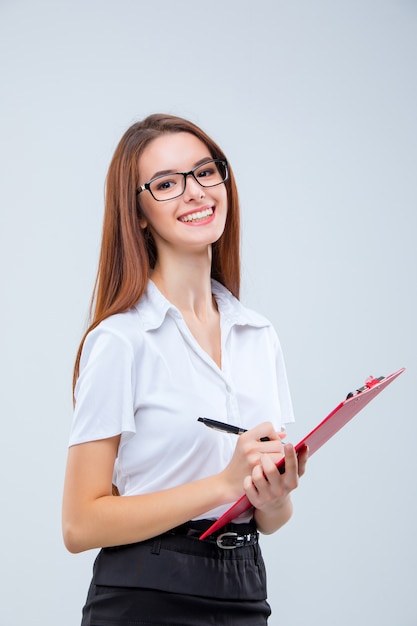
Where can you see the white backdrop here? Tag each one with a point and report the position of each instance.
(314, 102)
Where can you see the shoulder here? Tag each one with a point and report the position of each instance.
(115, 337)
(130, 326)
(122, 326)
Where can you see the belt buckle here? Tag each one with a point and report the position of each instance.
(238, 540)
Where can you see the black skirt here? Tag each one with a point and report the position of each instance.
(175, 579)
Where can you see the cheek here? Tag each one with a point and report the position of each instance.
(223, 197)
(154, 217)
(148, 214)
(222, 201)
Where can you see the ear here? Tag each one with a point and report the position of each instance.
(143, 223)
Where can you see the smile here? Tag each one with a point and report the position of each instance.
(197, 216)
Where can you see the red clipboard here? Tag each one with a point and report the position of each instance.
(331, 424)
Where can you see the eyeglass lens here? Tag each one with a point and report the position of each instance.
(170, 186)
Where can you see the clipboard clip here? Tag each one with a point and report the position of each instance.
(369, 383)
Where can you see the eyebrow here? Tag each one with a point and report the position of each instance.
(196, 164)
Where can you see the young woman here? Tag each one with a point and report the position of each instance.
(170, 342)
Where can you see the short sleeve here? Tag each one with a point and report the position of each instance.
(104, 405)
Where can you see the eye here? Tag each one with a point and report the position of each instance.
(165, 183)
(162, 185)
(206, 171)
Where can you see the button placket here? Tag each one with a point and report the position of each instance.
(231, 399)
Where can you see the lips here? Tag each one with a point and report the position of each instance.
(197, 216)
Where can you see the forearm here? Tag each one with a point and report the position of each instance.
(118, 520)
(93, 517)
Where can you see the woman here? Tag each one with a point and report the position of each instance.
(170, 342)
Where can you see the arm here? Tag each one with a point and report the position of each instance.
(93, 518)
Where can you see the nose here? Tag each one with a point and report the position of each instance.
(192, 188)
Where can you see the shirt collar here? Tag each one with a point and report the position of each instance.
(233, 310)
(153, 307)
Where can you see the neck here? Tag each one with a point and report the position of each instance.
(185, 281)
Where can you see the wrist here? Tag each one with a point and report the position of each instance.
(271, 517)
(230, 488)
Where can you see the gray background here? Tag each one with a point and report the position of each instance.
(314, 102)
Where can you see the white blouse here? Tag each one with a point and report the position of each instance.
(144, 376)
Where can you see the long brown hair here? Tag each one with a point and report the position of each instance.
(128, 252)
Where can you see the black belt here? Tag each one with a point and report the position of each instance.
(230, 537)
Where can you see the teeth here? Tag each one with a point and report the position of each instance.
(195, 217)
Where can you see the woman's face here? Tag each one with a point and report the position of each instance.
(193, 220)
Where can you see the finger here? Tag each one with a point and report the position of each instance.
(266, 478)
(302, 460)
(251, 491)
(263, 430)
(272, 447)
(269, 468)
(257, 487)
(291, 465)
(258, 476)
(260, 440)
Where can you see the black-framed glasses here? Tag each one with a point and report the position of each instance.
(169, 186)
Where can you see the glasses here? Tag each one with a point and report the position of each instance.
(170, 186)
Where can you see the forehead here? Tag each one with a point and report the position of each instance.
(173, 151)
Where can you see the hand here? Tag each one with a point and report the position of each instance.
(249, 453)
(266, 488)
